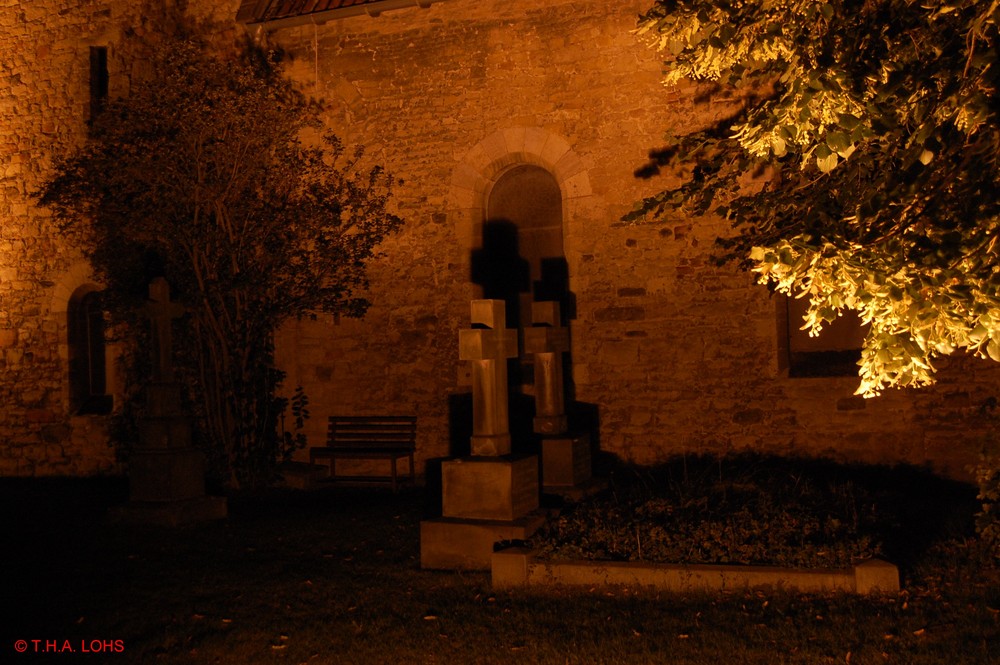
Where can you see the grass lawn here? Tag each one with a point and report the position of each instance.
(333, 576)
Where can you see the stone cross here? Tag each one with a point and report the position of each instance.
(547, 341)
(488, 350)
(161, 313)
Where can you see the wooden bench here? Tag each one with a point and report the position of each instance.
(368, 437)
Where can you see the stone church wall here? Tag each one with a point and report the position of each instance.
(672, 353)
(669, 352)
(44, 107)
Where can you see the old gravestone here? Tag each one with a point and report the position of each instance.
(566, 459)
(492, 494)
(487, 351)
(166, 473)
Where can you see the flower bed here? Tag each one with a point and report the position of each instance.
(745, 510)
(701, 522)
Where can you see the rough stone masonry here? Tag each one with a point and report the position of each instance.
(669, 352)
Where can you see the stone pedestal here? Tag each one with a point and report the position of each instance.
(489, 488)
(484, 500)
(565, 461)
(167, 488)
(166, 473)
(172, 513)
(167, 482)
(567, 469)
(448, 543)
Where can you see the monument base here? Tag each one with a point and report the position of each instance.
(302, 475)
(448, 543)
(489, 488)
(565, 461)
(575, 493)
(171, 513)
(166, 474)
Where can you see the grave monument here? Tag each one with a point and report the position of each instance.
(492, 494)
(566, 461)
(166, 473)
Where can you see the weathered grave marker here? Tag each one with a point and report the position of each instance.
(487, 351)
(547, 341)
(166, 472)
(566, 458)
(162, 312)
(490, 495)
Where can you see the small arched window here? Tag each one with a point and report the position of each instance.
(87, 354)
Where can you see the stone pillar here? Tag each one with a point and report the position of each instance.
(547, 341)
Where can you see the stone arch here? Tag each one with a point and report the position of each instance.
(78, 275)
(530, 196)
(87, 350)
(69, 289)
(484, 164)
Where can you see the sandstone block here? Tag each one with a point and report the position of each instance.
(489, 488)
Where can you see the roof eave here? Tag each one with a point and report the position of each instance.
(317, 18)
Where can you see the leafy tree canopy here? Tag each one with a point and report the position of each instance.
(877, 123)
(216, 172)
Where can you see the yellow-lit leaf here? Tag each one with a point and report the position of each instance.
(778, 146)
(828, 163)
(838, 141)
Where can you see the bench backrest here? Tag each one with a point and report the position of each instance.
(373, 431)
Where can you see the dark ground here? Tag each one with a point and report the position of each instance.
(333, 576)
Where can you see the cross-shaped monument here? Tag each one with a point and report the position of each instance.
(166, 473)
(487, 349)
(161, 313)
(547, 341)
(490, 495)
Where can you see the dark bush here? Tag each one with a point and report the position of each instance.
(750, 509)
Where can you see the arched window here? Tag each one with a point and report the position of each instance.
(87, 353)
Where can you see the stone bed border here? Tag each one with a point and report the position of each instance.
(518, 567)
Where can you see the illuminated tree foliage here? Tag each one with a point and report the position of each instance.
(203, 174)
(877, 122)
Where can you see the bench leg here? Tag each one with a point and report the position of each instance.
(333, 466)
(394, 488)
(413, 477)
